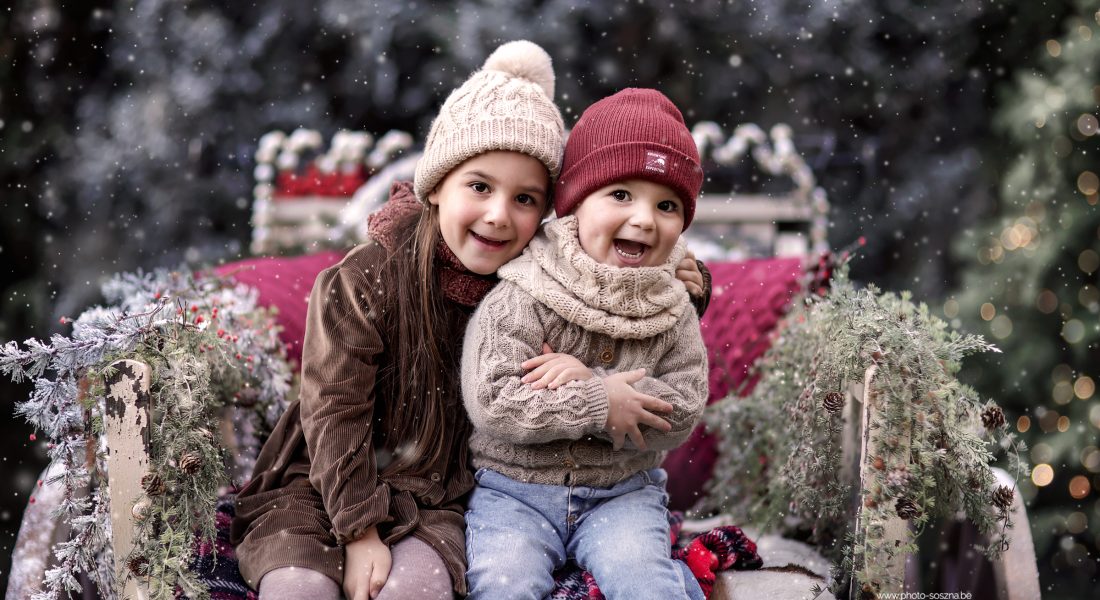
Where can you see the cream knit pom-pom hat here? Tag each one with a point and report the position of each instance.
(507, 105)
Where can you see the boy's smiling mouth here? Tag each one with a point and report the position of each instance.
(630, 252)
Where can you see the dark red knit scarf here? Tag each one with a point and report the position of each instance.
(458, 283)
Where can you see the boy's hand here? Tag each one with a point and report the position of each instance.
(367, 563)
(553, 369)
(628, 408)
(688, 272)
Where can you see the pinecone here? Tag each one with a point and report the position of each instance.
(190, 463)
(907, 509)
(138, 565)
(993, 418)
(153, 484)
(833, 402)
(1002, 497)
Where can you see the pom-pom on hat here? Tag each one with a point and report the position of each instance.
(633, 134)
(507, 105)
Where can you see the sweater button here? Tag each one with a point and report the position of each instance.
(569, 464)
(607, 356)
(436, 477)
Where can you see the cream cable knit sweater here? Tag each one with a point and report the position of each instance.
(612, 320)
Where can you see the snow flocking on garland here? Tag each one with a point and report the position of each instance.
(212, 350)
(781, 448)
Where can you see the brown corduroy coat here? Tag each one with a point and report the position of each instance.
(317, 483)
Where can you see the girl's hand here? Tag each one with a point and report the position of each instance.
(628, 408)
(367, 563)
(553, 369)
(688, 272)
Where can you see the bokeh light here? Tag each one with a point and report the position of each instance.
(1041, 453)
(1087, 124)
(1063, 424)
(1088, 261)
(1001, 327)
(988, 311)
(1077, 522)
(1046, 301)
(1088, 183)
(1084, 387)
(951, 308)
(1042, 475)
(1079, 488)
(1090, 459)
(1073, 331)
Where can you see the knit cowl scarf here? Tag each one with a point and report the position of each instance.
(621, 302)
(459, 284)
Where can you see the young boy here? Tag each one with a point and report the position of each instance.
(567, 444)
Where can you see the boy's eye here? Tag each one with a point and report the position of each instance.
(480, 187)
(668, 206)
(620, 195)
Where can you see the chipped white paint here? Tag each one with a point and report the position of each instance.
(126, 424)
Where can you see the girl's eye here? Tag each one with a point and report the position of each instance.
(526, 200)
(620, 195)
(667, 206)
(479, 187)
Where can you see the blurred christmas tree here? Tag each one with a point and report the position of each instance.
(1032, 287)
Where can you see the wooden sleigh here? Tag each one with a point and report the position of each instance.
(788, 226)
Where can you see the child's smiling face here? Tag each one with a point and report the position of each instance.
(490, 207)
(632, 223)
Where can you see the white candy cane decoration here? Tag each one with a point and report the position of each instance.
(779, 158)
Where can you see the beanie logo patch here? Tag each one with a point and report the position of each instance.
(656, 161)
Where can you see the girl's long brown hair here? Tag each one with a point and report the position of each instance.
(425, 403)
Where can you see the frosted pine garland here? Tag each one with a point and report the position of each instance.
(780, 447)
(211, 348)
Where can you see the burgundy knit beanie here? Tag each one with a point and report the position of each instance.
(634, 134)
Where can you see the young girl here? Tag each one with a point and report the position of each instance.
(554, 480)
(358, 489)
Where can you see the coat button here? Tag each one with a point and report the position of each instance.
(607, 356)
(436, 477)
(569, 464)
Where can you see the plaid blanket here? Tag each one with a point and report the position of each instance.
(705, 554)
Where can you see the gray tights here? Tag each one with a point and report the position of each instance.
(417, 572)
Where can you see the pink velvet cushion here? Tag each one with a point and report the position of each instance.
(284, 283)
(747, 300)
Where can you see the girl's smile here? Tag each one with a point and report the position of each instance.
(490, 207)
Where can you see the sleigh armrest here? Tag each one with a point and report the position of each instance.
(127, 425)
(792, 568)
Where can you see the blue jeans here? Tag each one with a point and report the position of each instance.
(518, 534)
